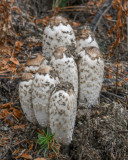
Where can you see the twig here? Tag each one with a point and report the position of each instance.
(111, 20)
(112, 94)
(117, 69)
(106, 99)
(9, 148)
(76, 8)
(102, 11)
(125, 131)
(20, 142)
(127, 32)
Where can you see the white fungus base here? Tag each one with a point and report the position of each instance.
(25, 95)
(42, 87)
(90, 79)
(62, 112)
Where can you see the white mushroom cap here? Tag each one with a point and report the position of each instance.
(85, 38)
(57, 33)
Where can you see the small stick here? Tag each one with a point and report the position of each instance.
(112, 94)
(124, 131)
(127, 32)
(117, 70)
(19, 142)
(102, 11)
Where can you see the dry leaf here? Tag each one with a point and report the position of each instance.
(119, 84)
(4, 138)
(31, 147)
(27, 156)
(11, 68)
(18, 44)
(90, 3)
(110, 76)
(108, 16)
(6, 105)
(111, 71)
(4, 113)
(44, 21)
(12, 1)
(15, 152)
(22, 126)
(9, 120)
(74, 24)
(90, 19)
(40, 159)
(5, 61)
(126, 79)
(17, 113)
(21, 153)
(14, 60)
(16, 9)
(92, 13)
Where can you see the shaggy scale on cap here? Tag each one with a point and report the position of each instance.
(91, 72)
(33, 65)
(64, 64)
(57, 33)
(85, 38)
(62, 112)
(25, 91)
(45, 80)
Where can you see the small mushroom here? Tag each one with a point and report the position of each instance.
(62, 112)
(25, 95)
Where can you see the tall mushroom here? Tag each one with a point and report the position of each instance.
(43, 83)
(62, 112)
(25, 95)
(57, 33)
(63, 62)
(91, 72)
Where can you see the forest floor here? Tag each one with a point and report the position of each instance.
(100, 133)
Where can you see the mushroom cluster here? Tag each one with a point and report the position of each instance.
(70, 70)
